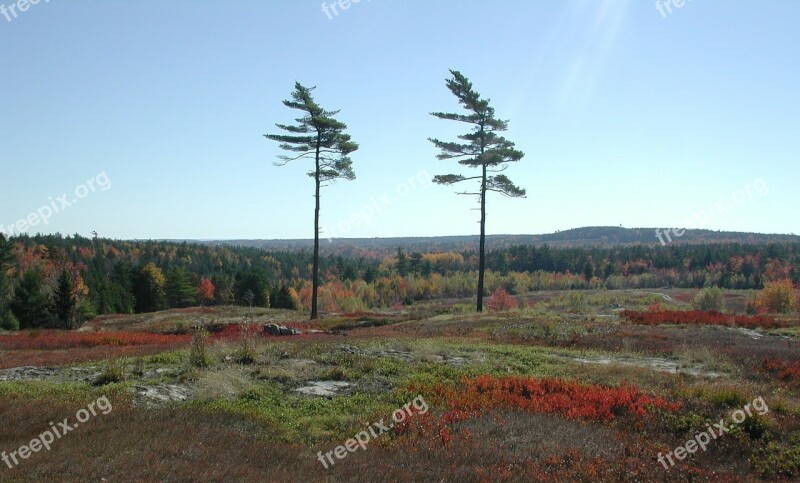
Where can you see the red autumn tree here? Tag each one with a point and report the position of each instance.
(206, 290)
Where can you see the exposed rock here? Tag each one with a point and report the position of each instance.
(324, 388)
(55, 374)
(275, 329)
(161, 393)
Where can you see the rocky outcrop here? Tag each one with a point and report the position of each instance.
(275, 329)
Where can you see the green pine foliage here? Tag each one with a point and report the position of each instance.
(65, 303)
(30, 304)
(180, 291)
(317, 136)
(482, 148)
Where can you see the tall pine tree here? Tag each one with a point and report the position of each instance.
(320, 137)
(481, 148)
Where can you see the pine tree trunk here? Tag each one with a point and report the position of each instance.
(482, 255)
(315, 268)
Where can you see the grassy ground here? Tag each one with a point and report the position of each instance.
(561, 390)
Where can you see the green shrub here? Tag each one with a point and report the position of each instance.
(681, 424)
(755, 426)
(709, 299)
(113, 371)
(727, 398)
(8, 321)
(776, 462)
(166, 358)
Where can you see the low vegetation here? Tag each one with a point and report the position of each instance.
(560, 386)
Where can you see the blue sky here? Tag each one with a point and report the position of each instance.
(627, 116)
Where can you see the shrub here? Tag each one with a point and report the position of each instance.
(49, 340)
(8, 321)
(198, 354)
(756, 426)
(501, 301)
(576, 299)
(777, 297)
(699, 317)
(681, 424)
(568, 399)
(776, 461)
(114, 371)
(785, 371)
(139, 366)
(751, 308)
(246, 352)
(709, 299)
(655, 306)
(727, 397)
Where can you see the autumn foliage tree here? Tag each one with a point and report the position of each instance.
(777, 297)
(480, 148)
(205, 290)
(320, 137)
(148, 288)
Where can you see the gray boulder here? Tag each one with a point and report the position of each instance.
(275, 329)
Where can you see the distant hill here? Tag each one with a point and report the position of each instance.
(597, 236)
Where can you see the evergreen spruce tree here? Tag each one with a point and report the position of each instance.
(30, 304)
(64, 301)
(180, 291)
(7, 319)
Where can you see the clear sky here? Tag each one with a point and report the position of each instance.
(627, 116)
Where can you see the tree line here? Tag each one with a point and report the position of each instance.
(57, 281)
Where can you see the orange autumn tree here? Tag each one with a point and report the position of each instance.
(205, 291)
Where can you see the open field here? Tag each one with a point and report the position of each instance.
(565, 389)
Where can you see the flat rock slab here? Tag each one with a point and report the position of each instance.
(655, 363)
(324, 388)
(161, 393)
(56, 374)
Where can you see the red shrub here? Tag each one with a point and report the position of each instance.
(65, 340)
(501, 301)
(785, 371)
(567, 399)
(699, 317)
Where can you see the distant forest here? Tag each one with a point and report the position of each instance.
(57, 281)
